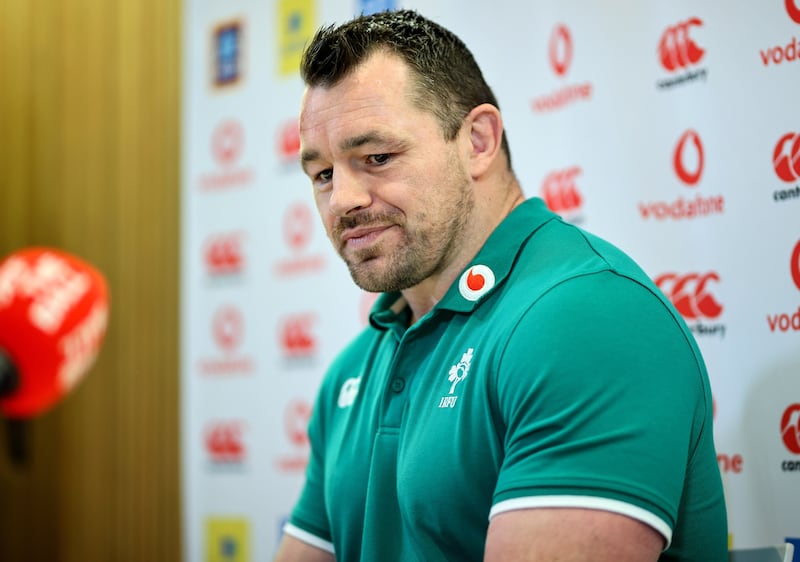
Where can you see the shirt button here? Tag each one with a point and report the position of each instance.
(398, 385)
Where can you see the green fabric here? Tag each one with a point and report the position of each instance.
(582, 381)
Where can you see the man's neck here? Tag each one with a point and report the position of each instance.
(424, 296)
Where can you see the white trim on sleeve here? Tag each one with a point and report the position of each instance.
(587, 502)
(308, 538)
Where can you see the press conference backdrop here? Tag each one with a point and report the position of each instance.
(670, 129)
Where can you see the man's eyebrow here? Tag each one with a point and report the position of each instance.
(308, 156)
(350, 143)
(361, 140)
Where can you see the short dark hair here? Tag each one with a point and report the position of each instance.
(449, 83)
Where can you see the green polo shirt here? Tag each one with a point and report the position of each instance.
(553, 373)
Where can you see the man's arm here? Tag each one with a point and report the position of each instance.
(294, 550)
(570, 535)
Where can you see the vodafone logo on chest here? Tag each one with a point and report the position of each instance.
(476, 282)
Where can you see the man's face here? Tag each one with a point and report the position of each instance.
(394, 196)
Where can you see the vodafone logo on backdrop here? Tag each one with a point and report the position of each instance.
(295, 424)
(295, 419)
(228, 328)
(227, 142)
(227, 331)
(728, 462)
(298, 340)
(226, 147)
(688, 158)
(288, 142)
(299, 223)
(561, 193)
(224, 442)
(786, 161)
(784, 51)
(688, 163)
(692, 296)
(793, 9)
(680, 54)
(223, 254)
(560, 52)
(787, 322)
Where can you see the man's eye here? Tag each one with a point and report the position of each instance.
(324, 176)
(378, 158)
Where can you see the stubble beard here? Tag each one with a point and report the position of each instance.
(424, 250)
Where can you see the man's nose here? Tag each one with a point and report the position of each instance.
(349, 193)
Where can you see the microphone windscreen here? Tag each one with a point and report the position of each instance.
(53, 317)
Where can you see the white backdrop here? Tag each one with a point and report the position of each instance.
(671, 130)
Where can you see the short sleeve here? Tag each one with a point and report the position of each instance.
(602, 396)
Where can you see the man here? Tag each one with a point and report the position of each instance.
(523, 390)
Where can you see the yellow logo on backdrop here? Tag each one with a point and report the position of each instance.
(227, 539)
(296, 25)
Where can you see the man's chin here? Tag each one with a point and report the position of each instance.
(369, 275)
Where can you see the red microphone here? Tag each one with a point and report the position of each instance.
(53, 316)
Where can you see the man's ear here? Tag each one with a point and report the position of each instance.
(486, 135)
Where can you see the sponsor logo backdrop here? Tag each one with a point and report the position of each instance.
(671, 130)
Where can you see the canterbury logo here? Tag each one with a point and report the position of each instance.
(677, 50)
(790, 428)
(689, 294)
(786, 157)
(223, 253)
(560, 50)
(560, 192)
(688, 174)
(298, 336)
(224, 442)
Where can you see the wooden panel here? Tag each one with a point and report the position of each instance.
(89, 162)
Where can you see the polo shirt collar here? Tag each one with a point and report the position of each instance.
(487, 270)
(493, 263)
